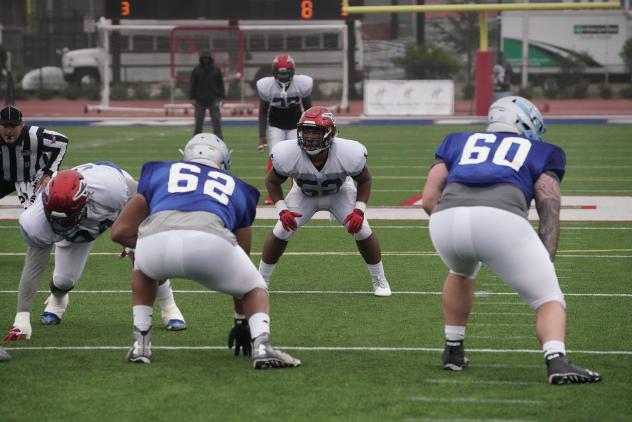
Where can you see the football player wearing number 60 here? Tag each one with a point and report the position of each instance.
(70, 214)
(478, 194)
(324, 168)
(192, 219)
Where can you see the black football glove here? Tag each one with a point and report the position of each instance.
(239, 336)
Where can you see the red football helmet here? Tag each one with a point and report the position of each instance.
(65, 201)
(318, 120)
(283, 69)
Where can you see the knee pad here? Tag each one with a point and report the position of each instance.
(280, 233)
(61, 286)
(364, 232)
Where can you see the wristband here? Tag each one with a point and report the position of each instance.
(239, 316)
(280, 205)
(361, 206)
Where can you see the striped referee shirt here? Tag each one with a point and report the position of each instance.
(36, 149)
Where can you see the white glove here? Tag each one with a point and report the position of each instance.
(27, 190)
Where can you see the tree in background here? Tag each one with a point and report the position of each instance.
(427, 61)
(460, 33)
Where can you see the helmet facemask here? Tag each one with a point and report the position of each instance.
(316, 130)
(315, 139)
(283, 70)
(63, 224)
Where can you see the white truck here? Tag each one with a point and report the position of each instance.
(81, 66)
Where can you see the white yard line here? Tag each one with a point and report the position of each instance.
(581, 208)
(476, 400)
(340, 292)
(480, 382)
(320, 349)
(560, 254)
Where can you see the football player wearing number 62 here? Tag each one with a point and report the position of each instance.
(478, 194)
(324, 168)
(192, 219)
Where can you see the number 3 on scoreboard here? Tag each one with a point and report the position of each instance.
(307, 9)
(125, 8)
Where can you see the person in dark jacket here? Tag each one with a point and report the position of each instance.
(207, 92)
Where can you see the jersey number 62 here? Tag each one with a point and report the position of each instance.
(185, 177)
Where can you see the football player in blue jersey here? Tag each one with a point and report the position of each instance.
(478, 194)
(192, 219)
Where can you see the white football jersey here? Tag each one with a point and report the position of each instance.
(346, 159)
(109, 193)
(270, 91)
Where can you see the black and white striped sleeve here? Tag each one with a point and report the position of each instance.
(56, 144)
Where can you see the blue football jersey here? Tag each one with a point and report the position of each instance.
(187, 186)
(489, 158)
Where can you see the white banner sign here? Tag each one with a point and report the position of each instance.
(408, 98)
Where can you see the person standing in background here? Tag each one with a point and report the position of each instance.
(207, 92)
(282, 98)
(501, 74)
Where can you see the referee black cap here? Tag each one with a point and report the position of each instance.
(10, 115)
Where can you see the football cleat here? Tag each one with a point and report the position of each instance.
(4, 355)
(381, 288)
(140, 352)
(560, 371)
(269, 201)
(172, 317)
(454, 356)
(264, 356)
(55, 308)
(176, 325)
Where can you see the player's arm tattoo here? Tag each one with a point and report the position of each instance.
(548, 202)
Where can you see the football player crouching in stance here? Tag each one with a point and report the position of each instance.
(324, 168)
(74, 209)
(478, 194)
(192, 219)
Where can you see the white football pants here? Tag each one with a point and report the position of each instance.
(206, 258)
(465, 237)
(340, 204)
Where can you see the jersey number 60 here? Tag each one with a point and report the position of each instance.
(475, 154)
(185, 177)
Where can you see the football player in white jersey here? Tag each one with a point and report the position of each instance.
(324, 168)
(283, 97)
(73, 210)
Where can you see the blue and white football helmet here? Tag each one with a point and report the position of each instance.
(207, 149)
(517, 115)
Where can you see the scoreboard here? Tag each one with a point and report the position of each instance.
(229, 9)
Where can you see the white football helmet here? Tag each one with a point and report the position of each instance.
(207, 149)
(517, 115)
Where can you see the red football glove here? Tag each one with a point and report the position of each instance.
(288, 219)
(355, 220)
